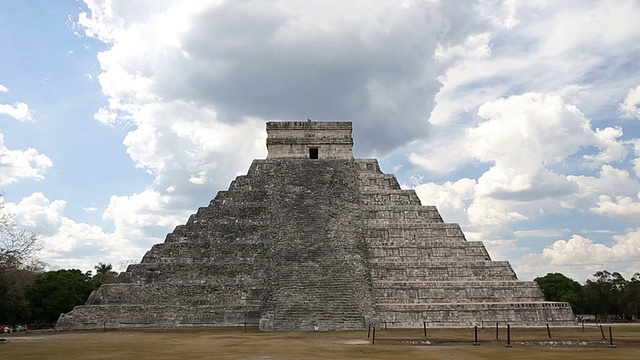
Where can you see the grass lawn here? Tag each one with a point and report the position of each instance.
(234, 343)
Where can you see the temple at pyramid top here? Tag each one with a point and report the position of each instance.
(309, 140)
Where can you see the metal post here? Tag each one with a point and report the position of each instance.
(369, 332)
(497, 337)
(475, 328)
(245, 326)
(373, 339)
(385, 324)
(611, 338)
(548, 331)
(424, 324)
(602, 332)
(508, 335)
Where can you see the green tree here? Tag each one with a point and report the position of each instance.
(104, 274)
(603, 294)
(631, 297)
(56, 292)
(557, 287)
(14, 306)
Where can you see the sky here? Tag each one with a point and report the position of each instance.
(519, 120)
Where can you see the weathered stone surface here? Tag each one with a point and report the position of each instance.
(296, 140)
(315, 244)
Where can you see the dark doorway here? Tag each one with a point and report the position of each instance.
(313, 153)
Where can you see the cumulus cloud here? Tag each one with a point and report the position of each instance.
(579, 257)
(630, 108)
(523, 137)
(580, 250)
(618, 207)
(609, 181)
(21, 164)
(143, 216)
(548, 45)
(37, 212)
(450, 198)
(284, 60)
(611, 149)
(635, 143)
(67, 243)
(19, 110)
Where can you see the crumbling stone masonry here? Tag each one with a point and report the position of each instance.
(313, 239)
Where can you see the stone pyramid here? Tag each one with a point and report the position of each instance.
(313, 239)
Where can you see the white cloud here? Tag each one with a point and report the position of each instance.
(579, 257)
(541, 233)
(635, 143)
(37, 212)
(285, 61)
(609, 181)
(630, 108)
(580, 250)
(143, 216)
(520, 184)
(611, 150)
(550, 44)
(19, 111)
(105, 116)
(618, 207)
(530, 128)
(21, 164)
(70, 244)
(450, 198)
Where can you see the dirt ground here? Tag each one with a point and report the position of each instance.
(234, 343)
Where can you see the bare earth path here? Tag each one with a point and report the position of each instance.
(530, 343)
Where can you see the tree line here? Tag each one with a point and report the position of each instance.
(34, 296)
(608, 296)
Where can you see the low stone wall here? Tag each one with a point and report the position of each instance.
(471, 314)
(155, 316)
(457, 291)
(221, 294)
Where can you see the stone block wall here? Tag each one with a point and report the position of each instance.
(292, 140)
(472, 314)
